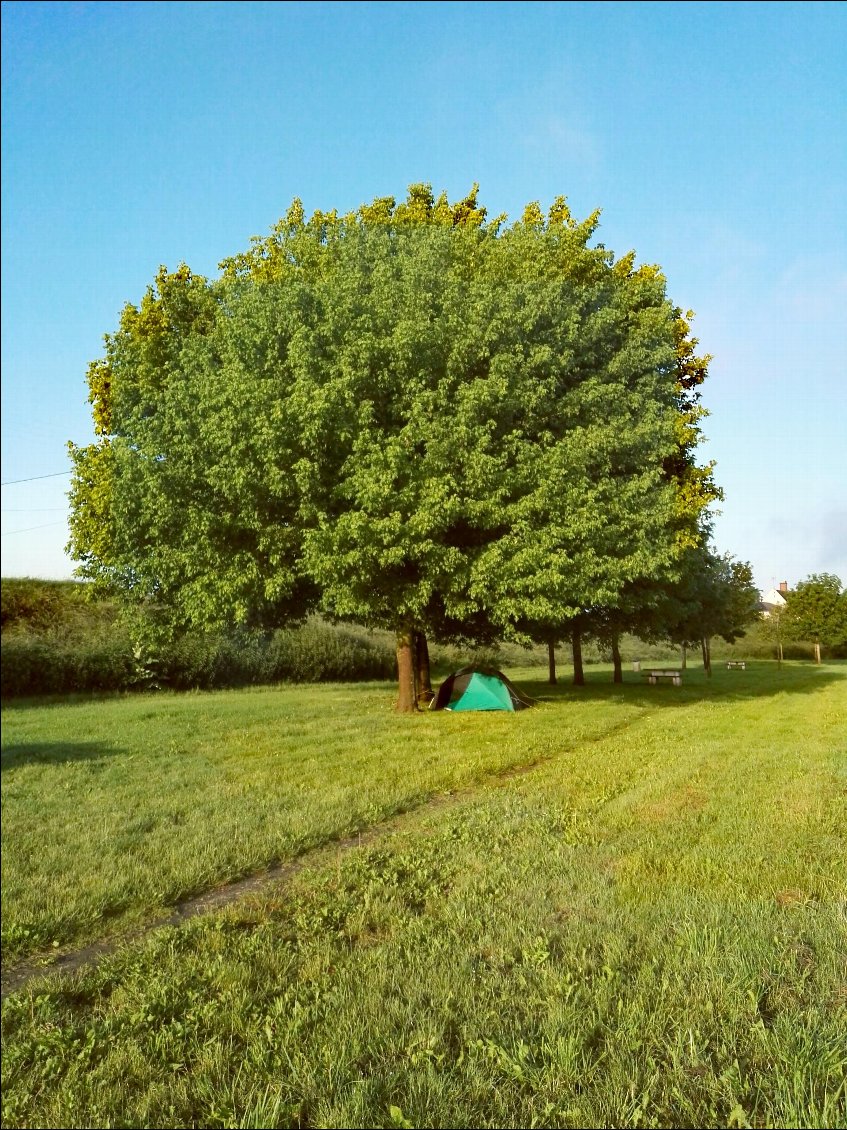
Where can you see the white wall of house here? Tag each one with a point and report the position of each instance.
(774, 596)
(773, 599)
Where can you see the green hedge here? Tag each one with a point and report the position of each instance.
(50, 663)
(317, 652)
(32, 665)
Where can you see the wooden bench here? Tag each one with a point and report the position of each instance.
(653, 675)
(738, 664)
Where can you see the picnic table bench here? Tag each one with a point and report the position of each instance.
(736, 663)
(653, 674)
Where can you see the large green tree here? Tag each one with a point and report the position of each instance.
(512, 463)
(418, 417)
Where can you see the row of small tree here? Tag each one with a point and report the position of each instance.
(413, 417)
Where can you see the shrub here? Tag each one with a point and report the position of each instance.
(29, 604)
(320, 652)
(54, 643)
(33, 666)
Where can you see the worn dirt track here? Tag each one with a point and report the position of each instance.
(68, 961)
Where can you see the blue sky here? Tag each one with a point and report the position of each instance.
(712, 136)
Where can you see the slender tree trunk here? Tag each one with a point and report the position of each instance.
(424, 678)
(707, 655)
(683, 656)
(406, 703)
(551, 662)
(616, 659)
(779, 655)
(576, 644)
(817, 651)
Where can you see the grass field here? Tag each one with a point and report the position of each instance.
(647, 927)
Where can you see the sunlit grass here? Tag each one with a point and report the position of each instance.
(115, 809)
(648, 929)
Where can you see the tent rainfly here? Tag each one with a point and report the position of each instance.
(478, 688)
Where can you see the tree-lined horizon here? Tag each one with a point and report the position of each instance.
(412, 416)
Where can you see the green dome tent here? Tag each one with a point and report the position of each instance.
(478, 688)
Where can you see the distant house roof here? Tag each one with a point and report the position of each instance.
(774, 600)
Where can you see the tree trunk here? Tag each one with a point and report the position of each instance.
(423, 682)
(576, 644)
(616, 659)
(406, 703)
(779, 655)
(683, 657)
(817, 651)
(707, 655)
(551, 662)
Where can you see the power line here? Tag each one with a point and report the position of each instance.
(26, 529)
(55, 475)
(31, 509)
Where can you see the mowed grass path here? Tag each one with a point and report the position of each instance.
(648, 929)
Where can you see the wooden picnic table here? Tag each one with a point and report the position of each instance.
(653, 674)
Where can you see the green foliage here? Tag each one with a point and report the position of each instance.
(817, 610)
(696, 488)
(499, 471)
(765, 634)
(91, 515)
(58, 640)
(715, 596)
(412, 414)
(43, 665)
(316, 652)
(30, 604)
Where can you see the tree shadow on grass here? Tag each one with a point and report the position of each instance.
(759, 680)
(54, 753)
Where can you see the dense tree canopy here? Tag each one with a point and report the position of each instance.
(715, 596)
(817, 611)
(408, 415)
